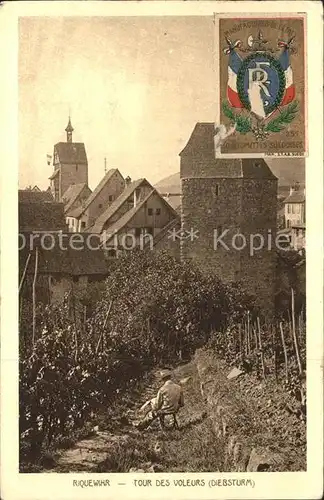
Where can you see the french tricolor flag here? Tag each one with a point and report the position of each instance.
(234, 64)
(290, 91)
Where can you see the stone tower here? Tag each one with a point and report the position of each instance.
(235, 196)
(70, 164)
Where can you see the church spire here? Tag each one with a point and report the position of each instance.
(69, 129)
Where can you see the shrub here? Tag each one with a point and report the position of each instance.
(151, 310)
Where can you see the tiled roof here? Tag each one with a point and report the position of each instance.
(41, 217)
(76, 212)
(64, 259)
(71, 152)
(296, 197)
(201, 147)
(97, 190)
(109, 212)
(31, 196)
(201, 141)
(72, 193)
(127, 217)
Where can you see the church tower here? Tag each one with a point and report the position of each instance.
(70, 164)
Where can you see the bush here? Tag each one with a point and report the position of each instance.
(152, 310)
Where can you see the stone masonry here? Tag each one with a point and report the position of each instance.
(238, 196)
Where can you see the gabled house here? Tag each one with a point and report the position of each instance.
(137, 215)
(133, 193)
(295, 207)
(61, 267)
(139, 225)
(106, 192)
(75, 196)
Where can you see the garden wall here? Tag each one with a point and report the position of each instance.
(249, 417)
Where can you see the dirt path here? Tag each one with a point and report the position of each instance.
(118, 446)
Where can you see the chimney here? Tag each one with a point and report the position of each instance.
(291, 190)
(128, 180)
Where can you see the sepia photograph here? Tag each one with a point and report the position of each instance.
(162, 287)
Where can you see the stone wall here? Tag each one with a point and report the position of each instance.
(209, 206)
(236, 206)
(242, 431)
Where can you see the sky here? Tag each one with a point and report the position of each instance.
(134, 87)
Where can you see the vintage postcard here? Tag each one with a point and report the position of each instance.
(161, 269)
(262, 84)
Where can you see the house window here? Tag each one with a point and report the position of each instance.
(76, 168)
(83, 225)
(150, 211)
(138, 232)
(110, 197)
(158, 211)
(100, 205)
(148, 230)
(292, 209)
(75, 279)
(297, 208)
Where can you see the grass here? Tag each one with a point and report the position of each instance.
(193, 448)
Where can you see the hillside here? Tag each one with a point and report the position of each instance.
(288, 171)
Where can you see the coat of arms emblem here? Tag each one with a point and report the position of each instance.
(261, 95)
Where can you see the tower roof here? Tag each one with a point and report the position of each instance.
(201, 149)
(69, 127)
(71, 152)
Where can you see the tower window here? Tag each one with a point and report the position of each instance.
(215, 190)
(112, 252)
